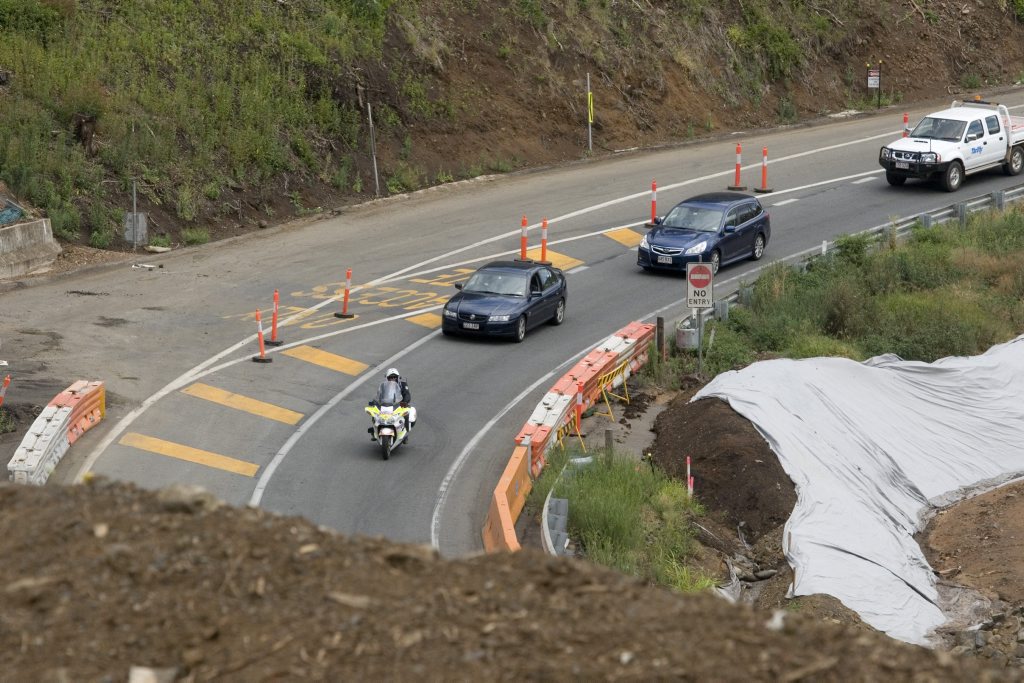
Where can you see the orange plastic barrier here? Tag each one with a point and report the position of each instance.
(554, 418)
(499, 532)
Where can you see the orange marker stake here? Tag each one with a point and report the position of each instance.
(344, 306)
(273, 341)
(262, 358)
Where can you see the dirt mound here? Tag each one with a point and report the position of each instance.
(736, 475)
(102, 577)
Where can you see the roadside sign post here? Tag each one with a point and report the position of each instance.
(875, 81)
(700, 294)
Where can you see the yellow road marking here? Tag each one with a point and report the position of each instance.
(327, 360)
(431, 320)
(557, 260)
(189, 454)
(627, 237)
(244, 403)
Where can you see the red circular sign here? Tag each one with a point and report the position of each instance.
(700, 276)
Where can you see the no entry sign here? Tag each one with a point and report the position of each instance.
(699, 286)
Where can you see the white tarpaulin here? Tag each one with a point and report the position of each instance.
(868, 445)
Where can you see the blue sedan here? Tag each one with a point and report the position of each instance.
(717, 228)
(506, 298)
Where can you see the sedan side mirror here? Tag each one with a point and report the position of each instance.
(535, 292)
(656, 221)
(730, 229)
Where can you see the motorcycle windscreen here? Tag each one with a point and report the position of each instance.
(389, 394)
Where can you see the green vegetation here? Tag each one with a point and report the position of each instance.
(970, 81)
(195, 236)
(180, 96)
(6, 422)
(631, 517)
(945, 292)
(160, 241)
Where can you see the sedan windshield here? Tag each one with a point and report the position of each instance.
(696, 218)
(939, 129)
(495, 282)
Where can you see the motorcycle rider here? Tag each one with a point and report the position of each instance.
(393, 375)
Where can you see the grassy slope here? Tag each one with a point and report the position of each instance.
(221, 109)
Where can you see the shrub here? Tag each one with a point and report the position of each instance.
(853, 249)
(195, 236)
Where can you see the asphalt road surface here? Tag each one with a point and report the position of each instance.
(187, 404)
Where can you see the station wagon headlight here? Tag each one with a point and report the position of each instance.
(499, 318)
(644, 244)
(698, 248)
(929, 158)
(449, 313)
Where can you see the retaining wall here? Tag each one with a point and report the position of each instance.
(27, 248)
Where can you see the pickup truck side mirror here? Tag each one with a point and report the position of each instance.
(971, 137)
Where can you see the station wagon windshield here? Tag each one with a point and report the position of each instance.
(939, 129)
(493, 282)
(696, 218)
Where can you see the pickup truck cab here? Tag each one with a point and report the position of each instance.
(956, 142)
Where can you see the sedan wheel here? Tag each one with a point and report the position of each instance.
(559, 315)
(716, 261)
(520, 329)
(758, 248)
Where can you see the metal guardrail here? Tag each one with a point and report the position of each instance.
(555, 538)
(998, 199)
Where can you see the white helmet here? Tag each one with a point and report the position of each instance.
(392, 372)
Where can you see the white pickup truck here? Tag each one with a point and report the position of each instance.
(950, 144)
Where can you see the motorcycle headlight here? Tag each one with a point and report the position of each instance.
(698, 248)
(499, 318)
(929, 158)
(449, 313)
(885, 153)
(644, 244)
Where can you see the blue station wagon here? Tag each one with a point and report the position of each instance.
(717, 228)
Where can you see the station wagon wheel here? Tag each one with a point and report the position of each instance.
(716, 261)
(559, 315)
(520, 329)
(758, 248)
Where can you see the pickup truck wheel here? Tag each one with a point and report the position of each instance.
(1016, 163)
(895, 180)
(953, 177)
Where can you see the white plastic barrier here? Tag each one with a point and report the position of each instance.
(69, 415)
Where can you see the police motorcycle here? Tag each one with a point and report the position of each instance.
(390, 418)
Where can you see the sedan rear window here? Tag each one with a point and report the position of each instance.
(699, 218)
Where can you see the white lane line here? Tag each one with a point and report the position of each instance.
(577, 269)
(202, 370)
(785, 201)
(453, 471)
(191, 374)
(268, 473)
(862, 180)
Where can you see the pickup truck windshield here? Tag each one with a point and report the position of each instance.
(939, 129)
